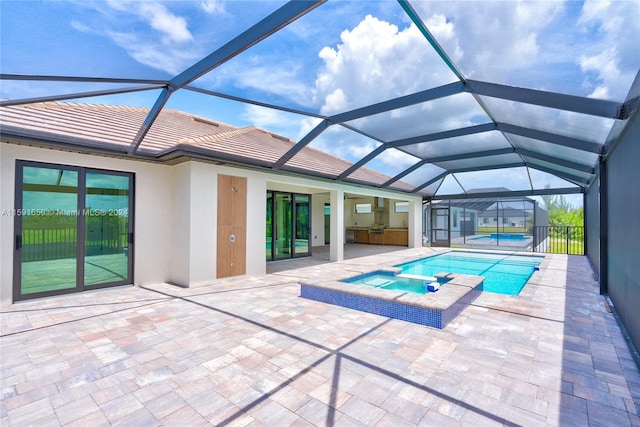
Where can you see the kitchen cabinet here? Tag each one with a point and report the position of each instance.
(376, 238)
(396, 237)
(361, 236)
(390, 236)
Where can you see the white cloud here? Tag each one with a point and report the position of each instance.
(146, 30)
(83, 28)
(605, 66)
(392, 161)
(375, 61)
(170, 59)
(213, 7)
(614, 55)
(261, 73)
(119, 5)
(344, 143)
(563, 46)
(493, 38)
(444, 31)
(173, 27)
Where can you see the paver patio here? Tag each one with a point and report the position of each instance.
(250, 351)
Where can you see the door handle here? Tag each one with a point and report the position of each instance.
(18, 242)
(232, 238)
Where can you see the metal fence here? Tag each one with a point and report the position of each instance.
(559, 239)
(60, 241)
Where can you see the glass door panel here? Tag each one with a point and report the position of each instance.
(107, 228)
(302, 225)
(327, 223)
(47, 218)
(74, 229)
(440, 226)
(283, 235)
(269, 249)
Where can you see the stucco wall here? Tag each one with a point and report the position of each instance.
(176, 210)
(153, 210)
(397, 219)
(203, 220)
(317, 218)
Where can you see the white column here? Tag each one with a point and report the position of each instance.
(336, 248)
(180, 230)
(415, 223)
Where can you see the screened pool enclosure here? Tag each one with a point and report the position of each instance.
(504, 223)
(440, 102)
(440, 106)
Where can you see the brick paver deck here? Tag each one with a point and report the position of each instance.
(252, 352)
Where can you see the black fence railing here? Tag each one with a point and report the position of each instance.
(41, 243)
(558, 239)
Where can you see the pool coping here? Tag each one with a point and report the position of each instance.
(434, 309)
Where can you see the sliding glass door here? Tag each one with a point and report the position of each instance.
(302, 225)
(46, 230)
(288, 225)
(283, 226)
(73, 229)
(107, 228)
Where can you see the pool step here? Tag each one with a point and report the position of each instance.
(415, 276)
(378, 282)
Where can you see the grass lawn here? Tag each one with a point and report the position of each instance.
(559, 246)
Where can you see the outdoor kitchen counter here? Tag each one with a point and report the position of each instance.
(388, 236)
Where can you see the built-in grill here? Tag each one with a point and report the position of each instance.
(376, 229)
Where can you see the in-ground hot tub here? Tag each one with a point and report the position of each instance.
(435, 309)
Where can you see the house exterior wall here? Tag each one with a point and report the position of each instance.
(153, 210)
(353, 219)
(397, 219)
(176, 213)
(623, 229)
(455, 215)
(317, 218)
(195, 210)
(195, 187)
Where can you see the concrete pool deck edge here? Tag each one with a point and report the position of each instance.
(434, 309)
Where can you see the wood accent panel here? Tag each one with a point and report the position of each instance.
(361, 236)
(231, 257)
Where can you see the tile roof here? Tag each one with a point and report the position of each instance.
(115, 127)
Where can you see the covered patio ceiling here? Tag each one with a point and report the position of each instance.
(409, 89)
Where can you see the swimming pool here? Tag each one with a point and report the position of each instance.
(505, 274)
(501, 236)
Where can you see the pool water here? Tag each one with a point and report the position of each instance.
(505, 274)
(502, 236)
(389, 281)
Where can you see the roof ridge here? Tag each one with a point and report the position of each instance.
(216, 137)
(326, 153)
(85, 105)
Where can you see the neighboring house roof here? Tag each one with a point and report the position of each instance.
(484, 203)
(506, 212)
(112, 128)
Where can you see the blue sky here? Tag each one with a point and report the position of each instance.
(343, 55)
